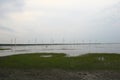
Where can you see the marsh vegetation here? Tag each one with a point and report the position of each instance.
(91, 61)
(5, 49)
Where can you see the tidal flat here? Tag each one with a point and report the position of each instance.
(54, 66)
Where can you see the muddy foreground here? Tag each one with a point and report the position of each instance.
(55, 74)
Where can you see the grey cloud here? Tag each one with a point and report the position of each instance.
(10, 6)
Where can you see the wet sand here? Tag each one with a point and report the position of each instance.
(57, 74)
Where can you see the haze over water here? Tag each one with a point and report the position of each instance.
(60, 21)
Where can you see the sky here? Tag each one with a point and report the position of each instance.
(44, 21)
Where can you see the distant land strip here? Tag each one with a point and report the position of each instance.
(54, 44)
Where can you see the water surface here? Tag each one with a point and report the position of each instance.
(70, 50)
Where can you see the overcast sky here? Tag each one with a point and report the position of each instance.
(71, 20)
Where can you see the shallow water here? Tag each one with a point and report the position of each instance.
(71, 50)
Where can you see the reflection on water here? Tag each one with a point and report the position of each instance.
(71, 50)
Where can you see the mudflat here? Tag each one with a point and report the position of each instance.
(57, 74)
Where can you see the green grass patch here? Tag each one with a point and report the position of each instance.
(4, 48)
(60, 61)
